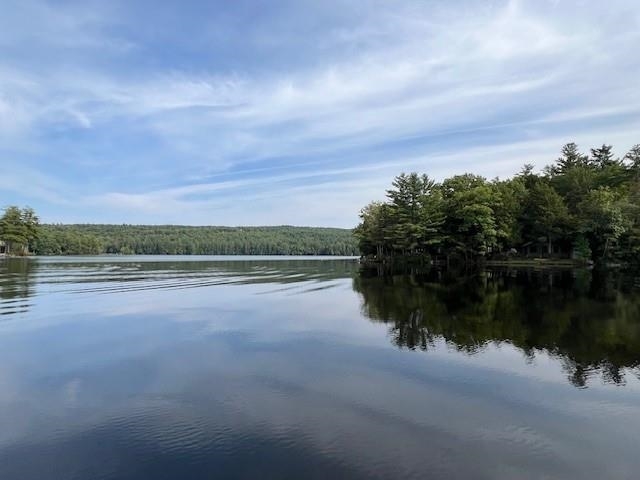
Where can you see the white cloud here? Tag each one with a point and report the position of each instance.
(422, 82)
(336, 196)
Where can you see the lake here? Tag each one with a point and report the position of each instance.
(271, 367)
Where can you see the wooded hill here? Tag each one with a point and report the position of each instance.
(188, 240)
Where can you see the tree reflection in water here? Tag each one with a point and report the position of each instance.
(16, 285)
(589, 320)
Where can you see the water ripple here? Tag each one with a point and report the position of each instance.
(21, 279)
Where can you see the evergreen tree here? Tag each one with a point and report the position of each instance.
(602, 157)
(570, 158)
(18, 229)
(413, 204)
(470, 224)
(633, 159)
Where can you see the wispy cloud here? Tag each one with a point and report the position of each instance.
(317, 116)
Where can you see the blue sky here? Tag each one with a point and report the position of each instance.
(296, 112)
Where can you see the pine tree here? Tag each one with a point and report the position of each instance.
(18, 229)
(571, 158)
(602, 157)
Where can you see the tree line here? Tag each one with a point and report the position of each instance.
(583, 206)
(21, 233)
(90, 239)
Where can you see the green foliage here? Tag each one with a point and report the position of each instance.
(470, 225)
(581, 206)
(632, 159)
(570, 158)
(602, 157)
(415, 204)
(545, 215)
(602, 218)
(372, 232)
(18, 229)
(186, 240)
(507, 204)
(581, 248)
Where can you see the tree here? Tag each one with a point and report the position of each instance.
(470, 223)
(602, 157)
(579, 204)
(432, 218)
(507, 207)
(545, 214)
(372, 232)
(31, 224)
(611, 172)
(630, 239)
(602, 217)
(574, 184)
(581, 248)
(570, 158)
(18, 228)
(414, 201)
(633, 157)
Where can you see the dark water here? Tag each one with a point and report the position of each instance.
(147, 368)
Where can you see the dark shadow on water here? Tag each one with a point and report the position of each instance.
(589, 320)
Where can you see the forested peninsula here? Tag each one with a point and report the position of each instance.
(580, 208)
(91, 239)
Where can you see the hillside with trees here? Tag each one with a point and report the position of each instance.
(585, 207)
(190, 240)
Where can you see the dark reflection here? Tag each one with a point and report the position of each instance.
(16, 284)
(589, 320)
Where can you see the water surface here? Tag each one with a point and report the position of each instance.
(210, 367)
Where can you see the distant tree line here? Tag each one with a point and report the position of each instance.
(188, 240)
(582, 206)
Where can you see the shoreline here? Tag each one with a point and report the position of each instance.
(538, 262)
(521, 262)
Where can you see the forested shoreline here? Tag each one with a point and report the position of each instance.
(93, 239)
(582, 207)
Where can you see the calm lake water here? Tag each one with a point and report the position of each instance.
(205, 367)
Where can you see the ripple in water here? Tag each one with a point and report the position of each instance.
(134, 367)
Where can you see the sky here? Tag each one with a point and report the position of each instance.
(272, 112)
